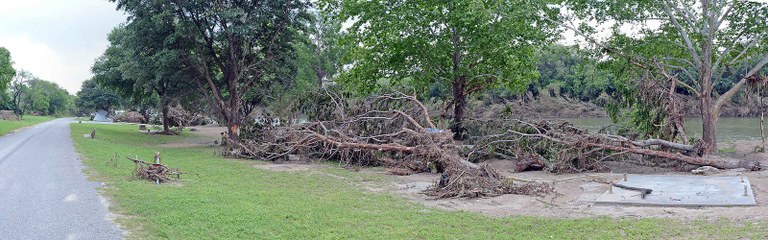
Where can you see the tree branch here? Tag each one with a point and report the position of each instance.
(729, 94)
(683, 33)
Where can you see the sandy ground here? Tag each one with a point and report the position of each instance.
(574, 195)
(205, 136)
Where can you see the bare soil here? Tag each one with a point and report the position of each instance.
(288, 167)
(574, 194)
(206, 136)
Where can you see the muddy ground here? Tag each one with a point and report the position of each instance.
(574, 194)
(205, 136)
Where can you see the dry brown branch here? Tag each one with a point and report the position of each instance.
(389, 131)
(154, 171)
(384, 131)
(565, 148)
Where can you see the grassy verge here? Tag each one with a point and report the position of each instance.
(9, 126)
(229, 199)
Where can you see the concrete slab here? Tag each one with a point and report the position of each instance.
(682, 191)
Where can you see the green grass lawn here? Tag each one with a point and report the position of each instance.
(9, 126)
(229, 199)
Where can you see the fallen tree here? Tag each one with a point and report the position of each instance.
(394, 131)
(570, 149)
(397, 131)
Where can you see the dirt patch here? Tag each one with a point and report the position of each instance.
(204, 136)
(208, 131)
(743, 149)
(188, 144)
(573, 197)
(288, 167)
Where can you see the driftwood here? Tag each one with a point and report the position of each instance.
(392, 130)
(643, 191)
(566, 148)
(397, 132)
(664, 143)
(715, 162)
(155, 172)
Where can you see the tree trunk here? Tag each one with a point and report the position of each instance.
(320, 73)
(166, 121)
(459, 85)
(231, 76)
(459, 105)
(762, 117)
(709, 111)
(144, 113)
(233, 126)
(234, 117)
(709, 130)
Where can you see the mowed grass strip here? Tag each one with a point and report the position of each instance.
(229, 199)
(9, 126)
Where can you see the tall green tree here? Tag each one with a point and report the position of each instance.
(146, 59)
(46, 98)
(6, 69)
(572, 70)
(320, 54)
(34, 95)
(19, 85)
(237, 44)
(94, 97)
(466, 45)
(701, 39)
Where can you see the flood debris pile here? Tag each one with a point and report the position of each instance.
(155, 172)
(8, 115)
(392, 130)
(561, 147)
(397, 131)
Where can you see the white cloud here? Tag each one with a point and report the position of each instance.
(39, 59)
(57, 40)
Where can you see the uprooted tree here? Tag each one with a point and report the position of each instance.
(699, 40)
(393, 130)
(396, 131)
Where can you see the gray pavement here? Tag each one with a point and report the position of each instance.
(43, 192)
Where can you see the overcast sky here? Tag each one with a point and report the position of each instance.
(57, 40)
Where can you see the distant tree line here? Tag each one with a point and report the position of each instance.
(23, 93)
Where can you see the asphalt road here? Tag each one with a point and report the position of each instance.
(43, 192)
